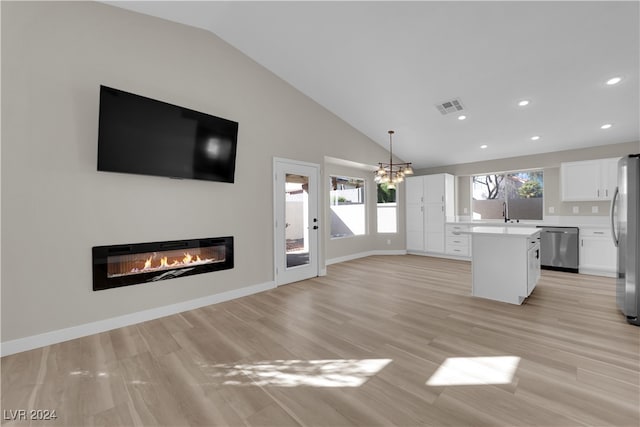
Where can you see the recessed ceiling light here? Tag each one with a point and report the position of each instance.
(606, 126)
(614, 80)
(462, 117)
(483, 146)
(523, 102)
(535, 138)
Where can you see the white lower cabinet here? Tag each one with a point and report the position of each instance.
(457, 244)
(597, 253)
(533, 267)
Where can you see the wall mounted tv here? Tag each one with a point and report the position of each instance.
(143, 136)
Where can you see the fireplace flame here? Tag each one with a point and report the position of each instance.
(165, 263)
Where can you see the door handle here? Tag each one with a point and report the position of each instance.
(315, 227)
(613, 219)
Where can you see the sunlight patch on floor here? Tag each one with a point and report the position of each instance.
(293, 373)
(90, 374)
(475, 370)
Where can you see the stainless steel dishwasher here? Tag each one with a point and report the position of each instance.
(559, 248)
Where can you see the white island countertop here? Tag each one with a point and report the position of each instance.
(502, 231)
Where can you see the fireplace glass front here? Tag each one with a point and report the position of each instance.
(122, 265)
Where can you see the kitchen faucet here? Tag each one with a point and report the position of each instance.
(505, 212)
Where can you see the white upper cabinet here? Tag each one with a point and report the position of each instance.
(414, 190)
(589, 180)
(434, 188)
(609, 174)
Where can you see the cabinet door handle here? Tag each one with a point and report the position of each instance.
(598, 232)
(598, 192)
(581, 242)
(606, 192)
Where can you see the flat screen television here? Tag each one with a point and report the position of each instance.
(144, 136)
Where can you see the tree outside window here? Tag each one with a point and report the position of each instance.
(519, 193)
(387, 209)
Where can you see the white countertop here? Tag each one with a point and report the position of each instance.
(549, 221)
(518, 231)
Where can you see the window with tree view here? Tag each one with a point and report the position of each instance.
(387, 209)
(516, 195)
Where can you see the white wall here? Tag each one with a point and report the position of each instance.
(56, 206)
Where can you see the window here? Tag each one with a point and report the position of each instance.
(348, 213)
(387, 209)
(518, 194)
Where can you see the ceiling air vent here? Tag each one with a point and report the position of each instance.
(452, 106)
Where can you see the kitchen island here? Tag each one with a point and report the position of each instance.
(505, 262)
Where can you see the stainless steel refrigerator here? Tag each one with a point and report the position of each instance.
(625, 224)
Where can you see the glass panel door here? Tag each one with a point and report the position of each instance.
(296, 220)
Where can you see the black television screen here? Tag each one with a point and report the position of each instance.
(143, 136)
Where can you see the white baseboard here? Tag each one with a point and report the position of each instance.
(440, 255)
(596, 272)
(365, 254)
(60, 335)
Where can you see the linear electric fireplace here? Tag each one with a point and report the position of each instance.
(123, 265)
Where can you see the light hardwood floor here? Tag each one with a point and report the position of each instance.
(356, 347)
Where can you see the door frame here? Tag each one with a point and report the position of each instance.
(276, 161)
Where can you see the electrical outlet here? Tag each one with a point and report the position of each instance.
(552, 209)
(576, 209)
(594, 209)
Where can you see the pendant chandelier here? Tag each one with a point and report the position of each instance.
(390, 173)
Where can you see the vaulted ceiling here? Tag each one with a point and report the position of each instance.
(387, 64)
